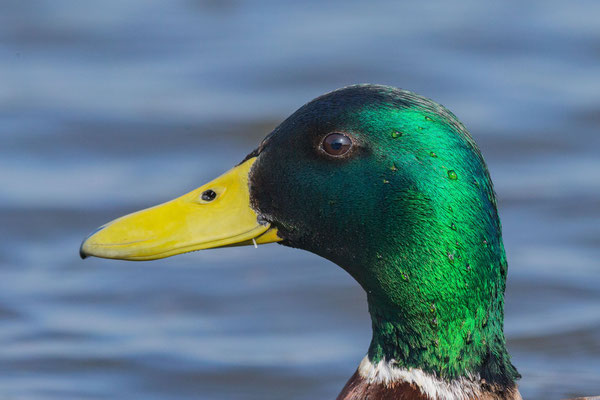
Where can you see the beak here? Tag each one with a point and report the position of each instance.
(222, 217)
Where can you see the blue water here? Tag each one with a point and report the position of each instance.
(108, 107)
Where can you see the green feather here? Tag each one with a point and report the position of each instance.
(410, 214)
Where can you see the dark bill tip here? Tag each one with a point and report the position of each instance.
(82, 253)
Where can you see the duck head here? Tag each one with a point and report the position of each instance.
(390, 186)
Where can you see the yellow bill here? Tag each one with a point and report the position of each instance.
(214, 215)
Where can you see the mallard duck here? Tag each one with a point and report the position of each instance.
(390, 186)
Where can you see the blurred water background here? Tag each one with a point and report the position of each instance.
(108, 107)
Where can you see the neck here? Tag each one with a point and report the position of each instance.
(435, 290)
(450, 345)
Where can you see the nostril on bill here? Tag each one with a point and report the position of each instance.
(209, 195)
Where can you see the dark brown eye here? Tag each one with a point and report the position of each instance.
(336, 144)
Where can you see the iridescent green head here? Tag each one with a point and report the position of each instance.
(390, 186)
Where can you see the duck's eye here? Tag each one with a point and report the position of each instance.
(336, 144)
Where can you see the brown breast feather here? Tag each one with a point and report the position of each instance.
(358, 388)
